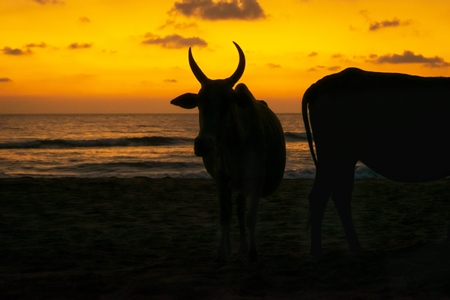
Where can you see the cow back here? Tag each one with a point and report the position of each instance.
(396, 124)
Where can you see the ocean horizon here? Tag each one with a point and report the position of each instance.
(125, 145)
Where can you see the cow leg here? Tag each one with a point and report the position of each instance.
(342, 195)
(240, 209)
(318, 199)
(252, 182)
(225, 220)
(251, 223)
(448, 234)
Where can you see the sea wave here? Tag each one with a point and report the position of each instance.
(295, 136)
(116, 142)
(361, 172)
(106, 142)
(134, 165)
(158, 170)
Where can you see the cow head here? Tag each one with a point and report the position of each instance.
(214, 100)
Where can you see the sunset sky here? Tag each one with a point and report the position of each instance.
(116, 56)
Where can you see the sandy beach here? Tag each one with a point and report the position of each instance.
(140, 238)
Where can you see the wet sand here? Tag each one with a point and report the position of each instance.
(146, 238)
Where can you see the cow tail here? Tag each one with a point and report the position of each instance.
(305, 105)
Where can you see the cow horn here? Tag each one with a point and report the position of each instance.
(241, 66)
(198, 73)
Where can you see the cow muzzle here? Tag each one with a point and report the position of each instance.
(203, 146)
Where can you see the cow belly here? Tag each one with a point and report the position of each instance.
(275, 159)
(253, 177)
(409, 161)
(273, 173)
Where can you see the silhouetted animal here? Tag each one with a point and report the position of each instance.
(396, 124)
(242, 145)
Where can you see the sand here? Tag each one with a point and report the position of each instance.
(143, 238)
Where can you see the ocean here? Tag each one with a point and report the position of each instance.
(128, 145)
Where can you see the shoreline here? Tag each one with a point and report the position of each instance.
(149, 238)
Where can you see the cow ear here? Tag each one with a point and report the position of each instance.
(188, 101)
(243, 96)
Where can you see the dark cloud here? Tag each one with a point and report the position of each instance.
(220, 10)
(337, 56)
(313, 54)
(51, 2)
(5, 79)
(34, 45)
(319, 68)
(170, 80)
(334, 68)
(79, 46)
(273, 66)
(105, 51)
(384, 24)
(408, 57)
(15, 51)
(84, 20)
(173, 41)
(359, 57)
(25, 51)
(178, 25)
(316, 68)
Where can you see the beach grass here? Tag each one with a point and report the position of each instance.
(141, 238)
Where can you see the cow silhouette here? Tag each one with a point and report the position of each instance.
(242, 145)
(396, 124)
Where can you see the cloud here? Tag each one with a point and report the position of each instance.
(220, 10)
(331, 68)
(34, 45)
(384, 24)
(15, 51)
(313, 54)
(334, 68)
(5, 79)
(84, 20)
(180, 26)
(173, 41)
(338, 55)
(79, 46)
(104, 51)
(273, 66)
(51, 2)
(25, 51)
(316, 68)
(408, 57)
(170, 80)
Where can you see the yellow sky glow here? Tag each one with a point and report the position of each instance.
(114, 56)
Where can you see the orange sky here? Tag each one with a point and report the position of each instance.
(115, 56)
